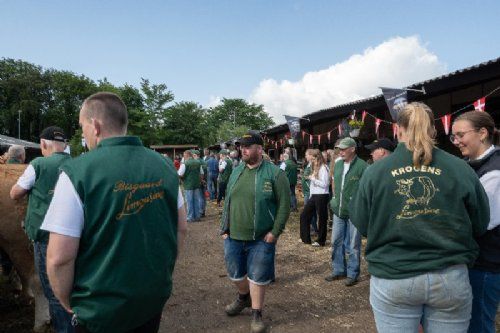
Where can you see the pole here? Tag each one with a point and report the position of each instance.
(19, 125)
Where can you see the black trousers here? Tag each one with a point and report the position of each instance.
(318, 203)
(150, 326)
(222, 191)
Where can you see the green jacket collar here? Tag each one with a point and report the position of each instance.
(120, 141)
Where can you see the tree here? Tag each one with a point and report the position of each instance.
(184, 123)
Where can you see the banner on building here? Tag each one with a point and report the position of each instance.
(293, 125)
(396, 100)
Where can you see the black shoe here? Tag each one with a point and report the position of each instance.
(257, 325)
(331, 278)
(237, 306)
(351, 282)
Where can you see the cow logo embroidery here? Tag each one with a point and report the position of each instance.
(419, 192)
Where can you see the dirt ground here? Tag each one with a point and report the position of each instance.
(299, 301)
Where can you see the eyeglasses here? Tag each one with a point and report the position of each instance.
(459, 135)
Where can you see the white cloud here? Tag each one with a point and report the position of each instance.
(213, 102)
(397, 62)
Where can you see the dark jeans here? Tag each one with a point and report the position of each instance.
(151, 326)
(318, 203)
(293, 198)
(60, 318)
(212, 185)
(486, 297)
(222, 191)
(5, 262)
(314, 219)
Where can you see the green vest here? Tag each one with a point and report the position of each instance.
(306, 182)
(191, 178)
(340, 201)
(265, 199)
(291, 172)
(128, 246)
(224, 176)
(47, 173)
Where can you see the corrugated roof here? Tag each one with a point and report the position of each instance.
(9, 141)
(380, 96)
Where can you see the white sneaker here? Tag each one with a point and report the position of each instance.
(315, 244)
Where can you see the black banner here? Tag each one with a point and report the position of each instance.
(293, 125)
(396, 100)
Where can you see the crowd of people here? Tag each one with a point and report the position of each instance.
(431, 221)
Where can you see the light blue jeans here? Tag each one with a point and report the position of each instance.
(193, 204)
(346, 242)
(440, 300)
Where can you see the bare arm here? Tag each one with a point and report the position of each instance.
(181, 228)
(17, 192)
(61, 255)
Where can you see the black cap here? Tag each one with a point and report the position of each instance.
(381, 143)
(251, 138)
(53, 133)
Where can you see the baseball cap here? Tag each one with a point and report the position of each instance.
(53, 133)
(381, 143)
(224, 151)
(251, 138)
(346, 143)
(195, 151)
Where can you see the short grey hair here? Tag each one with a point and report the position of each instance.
(16, 152)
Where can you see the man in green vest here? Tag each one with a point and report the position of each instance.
(116, 224)
(346, 239)
(256, 209)
(290, 168)
(38, 181)
(191, 173)
(225, 170)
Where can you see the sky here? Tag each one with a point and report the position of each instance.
(294, 57)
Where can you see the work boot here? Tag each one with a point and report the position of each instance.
(237, 306)
(257, 325)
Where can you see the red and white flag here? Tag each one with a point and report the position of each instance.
(446, 119)
(353, 116)
(319, 139)
(303, 134)
(394, 130)
(377, 124)
(363, 115)
(328, 136)
(480, 104)
(340, 129)
(311, 139)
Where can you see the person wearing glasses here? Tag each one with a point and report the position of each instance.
(420, 209)
(474, 133)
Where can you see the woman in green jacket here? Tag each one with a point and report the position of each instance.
(420, 209)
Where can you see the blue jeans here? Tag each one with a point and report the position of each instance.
(202, 200)
(212, 185)
(314, 219)
(193, 204)
(254, 259)
(440, 300)
(60, 318)
(486, 297)
(346, 241)
(293, 198)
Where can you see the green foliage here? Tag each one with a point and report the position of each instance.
(353, 123)
(53, 97)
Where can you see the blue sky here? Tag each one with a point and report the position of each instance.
(204, 50)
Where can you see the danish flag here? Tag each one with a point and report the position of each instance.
(446, 119)
(480, 104)
(377, 124)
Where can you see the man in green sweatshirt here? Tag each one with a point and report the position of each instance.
(256, 209)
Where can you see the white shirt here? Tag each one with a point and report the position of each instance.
(28, 178)
(222, 165)
(320, 185)
(283, 166)
(491, 184)
(65, 213)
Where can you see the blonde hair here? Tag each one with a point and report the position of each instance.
(333, 156)
(418, 121)
(316, 162)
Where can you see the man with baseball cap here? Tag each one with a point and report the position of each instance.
(39, 180)
(256, 210)
(225, 169)
(380, 148)
(346, 240)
